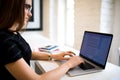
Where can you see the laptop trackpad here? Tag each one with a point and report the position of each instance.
(86, 66)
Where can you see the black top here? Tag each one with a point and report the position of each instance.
(12, 48)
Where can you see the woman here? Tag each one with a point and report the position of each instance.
(15, 53)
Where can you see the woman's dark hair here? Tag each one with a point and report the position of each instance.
(11, 12)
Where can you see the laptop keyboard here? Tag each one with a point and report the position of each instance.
(86, 66)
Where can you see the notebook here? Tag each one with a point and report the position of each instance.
(94, 50)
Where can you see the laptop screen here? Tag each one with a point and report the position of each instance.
(95, 47)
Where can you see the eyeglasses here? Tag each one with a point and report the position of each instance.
(28, 7)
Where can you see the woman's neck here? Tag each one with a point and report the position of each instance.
(14, 27)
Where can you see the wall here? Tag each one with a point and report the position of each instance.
(87, 17)
(46, 17)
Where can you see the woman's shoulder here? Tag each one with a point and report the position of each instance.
(5, 35)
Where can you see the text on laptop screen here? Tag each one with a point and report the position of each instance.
(95, 47)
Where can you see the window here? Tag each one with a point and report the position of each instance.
(62, 21)
(70, 23)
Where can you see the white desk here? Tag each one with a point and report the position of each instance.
(111, 72)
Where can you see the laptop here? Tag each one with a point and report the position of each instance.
(94, 50)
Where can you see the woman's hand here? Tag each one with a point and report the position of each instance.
(74, 61)
(61, 55)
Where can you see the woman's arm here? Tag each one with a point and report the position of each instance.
(21, 70)
(57, 73)
(40, 55)
(46, 56)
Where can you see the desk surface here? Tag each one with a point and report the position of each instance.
(111, 72)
